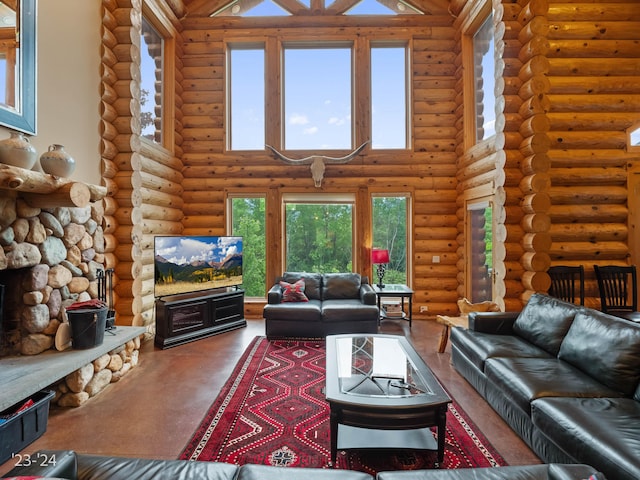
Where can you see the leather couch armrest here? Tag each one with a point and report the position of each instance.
(367, 295)
(47, 463)
(500, 323)
(274, 295)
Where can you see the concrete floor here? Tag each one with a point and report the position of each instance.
(154, 410)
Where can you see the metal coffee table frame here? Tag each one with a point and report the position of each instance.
(379, 421)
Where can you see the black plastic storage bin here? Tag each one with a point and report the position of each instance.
(25, 427)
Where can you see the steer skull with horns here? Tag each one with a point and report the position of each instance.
(317, 162)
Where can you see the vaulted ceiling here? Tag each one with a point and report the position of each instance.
(206, 8)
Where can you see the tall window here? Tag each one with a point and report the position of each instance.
(480, 250)
(246, 97)
(151, 81)
(484, 73)
(389, 96)
(248, 221)
(318, 234)
(390, 214)
(317, 97)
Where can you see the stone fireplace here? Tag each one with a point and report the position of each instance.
(52, 255)
(50, 258)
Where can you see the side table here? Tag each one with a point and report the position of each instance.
(395, 290)
(448, 322)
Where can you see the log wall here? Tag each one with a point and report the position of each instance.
(143, 179)
(570, 87)
(426, 171)
(593, 91)
(567, 87)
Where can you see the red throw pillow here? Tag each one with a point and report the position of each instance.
(293, 292)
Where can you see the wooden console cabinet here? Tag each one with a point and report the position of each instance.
(185, 318)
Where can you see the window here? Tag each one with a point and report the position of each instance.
(389, 96)
(633, 137)
(390, 214)
(5, 81)
(317, 107)
(316, 95)
(479, 250)
(319, 233)
(246, 97)
(484, 80)
(151, 81)
(247, 219)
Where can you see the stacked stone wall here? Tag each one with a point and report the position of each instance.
(50, 258)
(86, 382)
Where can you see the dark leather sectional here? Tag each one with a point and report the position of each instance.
(565, 378)
(338, 303)
(72, 466)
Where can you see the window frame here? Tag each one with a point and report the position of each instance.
(361, 115)
(164, 29)
(247, 44)
(630, 131)
(405, 44)
(481, 199)
(477, 18)
(408, 226)
(320, 199)
(230, 196)
(315, 45)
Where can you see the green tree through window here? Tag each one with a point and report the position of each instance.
(390, 232)
(319, 237)
(248, 221)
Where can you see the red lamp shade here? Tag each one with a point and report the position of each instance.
(379, 256)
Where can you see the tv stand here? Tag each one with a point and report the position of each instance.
(185, 318)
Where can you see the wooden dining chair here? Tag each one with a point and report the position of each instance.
(618, 286)
(567, 283)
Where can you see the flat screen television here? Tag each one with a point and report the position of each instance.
(185, 264)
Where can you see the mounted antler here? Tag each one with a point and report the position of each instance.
(317, 162)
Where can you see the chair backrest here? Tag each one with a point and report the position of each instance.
(618, 287)
(567, 283)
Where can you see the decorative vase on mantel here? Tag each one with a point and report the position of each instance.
(17, 151)
(57, 162)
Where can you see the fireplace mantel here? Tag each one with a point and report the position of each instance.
(41, 189)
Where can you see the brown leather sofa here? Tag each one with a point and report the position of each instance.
(337, 303)
(565, 378)
(75, 466)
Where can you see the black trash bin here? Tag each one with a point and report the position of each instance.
(87, 327)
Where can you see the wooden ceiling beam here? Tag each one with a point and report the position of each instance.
(205, 8)
(340, 6)
(294, 7)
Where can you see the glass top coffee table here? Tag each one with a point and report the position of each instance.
(382, 395)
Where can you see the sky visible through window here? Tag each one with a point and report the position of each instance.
(318, 94)
(317, 98)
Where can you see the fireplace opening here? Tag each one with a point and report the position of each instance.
(11, 306)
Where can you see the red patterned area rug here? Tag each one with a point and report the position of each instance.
(272, 411)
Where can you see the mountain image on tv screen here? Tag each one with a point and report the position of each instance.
(185, 264)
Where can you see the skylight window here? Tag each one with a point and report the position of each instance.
(270, 8)
(266, 9)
